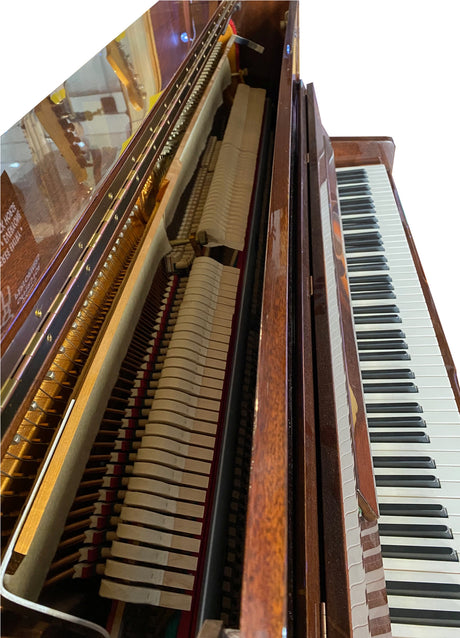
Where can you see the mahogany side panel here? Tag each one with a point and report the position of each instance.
(339, 622)
(307, 553)
(440, 336)
(353, 151)
(365, 481)
(265, 592)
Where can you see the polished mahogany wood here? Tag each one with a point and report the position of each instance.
(354, 151)
(265, 593)
(332, 514)
(307, 598)
(365, 481)
(261, 21)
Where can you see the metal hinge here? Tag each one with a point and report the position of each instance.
(323, 621)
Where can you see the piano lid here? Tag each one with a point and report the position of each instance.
(55, 159)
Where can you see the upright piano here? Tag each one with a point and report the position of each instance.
(228, 405)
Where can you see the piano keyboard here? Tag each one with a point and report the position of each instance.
(413, 419)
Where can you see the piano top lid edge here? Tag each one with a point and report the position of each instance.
(359, 150)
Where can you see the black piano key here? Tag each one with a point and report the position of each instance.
(425, 510)
(363, 236)
(348, 190)
(370, 286)
(380, 309)
(426, 617)
(353, 173)
(399, 437)
(390, 344)
(356, 223)
(425, 462)
(380, 334)
(419, 552)
(357, 202)
(396, 355)
(369, 278)
(374, 267)
(364, 209)
(377, 319)
(390, 373)
(353, 225)
(402, 406)
(367, 259)
(396, 422)
(408, 480)
(420, 531)
(425, 590)
(390, 387)
(357, 248)
(374, 294)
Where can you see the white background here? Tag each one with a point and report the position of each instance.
(379, 68)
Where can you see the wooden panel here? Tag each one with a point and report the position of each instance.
(362, 452)
(353, 151)
(260, 21)
(265, 594)
(333, 526)
(307, 561)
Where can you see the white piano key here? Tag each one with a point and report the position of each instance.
(436, 369)
(416, 602)
(448, 489)
(437, 444)
(421, 577)
(444, 474)
(422, 376)
(407, 564)
(423, 393)
(400, 630)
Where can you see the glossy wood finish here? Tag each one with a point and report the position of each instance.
(265, 595)
(260, 21)
(306, 539)
(365, 481)
(61, 158)
(332, 515)
(141, 155)
(440, 336)
(353, 151)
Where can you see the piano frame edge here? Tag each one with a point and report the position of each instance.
(266, 601)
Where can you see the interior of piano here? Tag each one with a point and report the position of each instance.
(136, 526)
